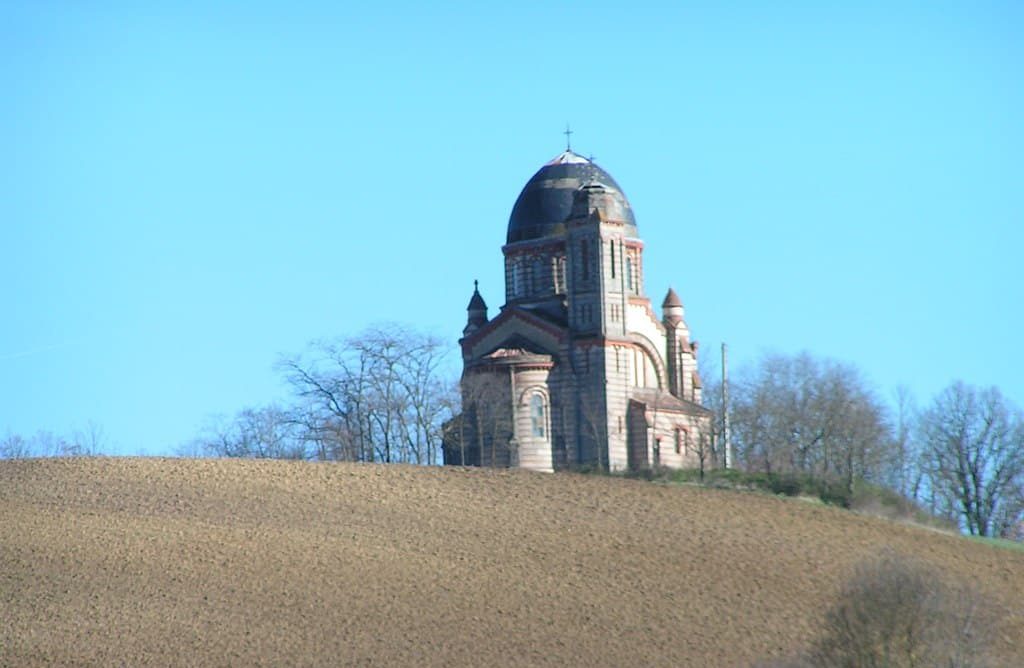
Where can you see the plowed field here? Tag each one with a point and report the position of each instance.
(213, 562)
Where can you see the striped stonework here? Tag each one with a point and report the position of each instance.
(577, 370)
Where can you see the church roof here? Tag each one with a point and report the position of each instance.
(660, 400)
(545, 202)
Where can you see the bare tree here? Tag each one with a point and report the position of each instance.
(87, 442)
(453, 431)
(594, 426)
(425, 408)
(816, 417)
(710, 371)
(48, 444)
(192, 449)
(378, 396)
(14, 446)
(259, 433)
(906, 475)
(487, 417)
(973, 443)
(331, 384)
(705, 453)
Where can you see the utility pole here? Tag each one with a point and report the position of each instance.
(725, 408)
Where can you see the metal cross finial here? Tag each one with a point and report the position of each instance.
(568, 145)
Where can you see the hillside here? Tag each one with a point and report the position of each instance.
(218, 562)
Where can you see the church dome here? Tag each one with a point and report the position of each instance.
(546, 200)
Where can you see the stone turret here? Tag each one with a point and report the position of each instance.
(476, 312)
(672, 308)
(672, 317)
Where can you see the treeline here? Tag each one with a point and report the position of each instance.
(89, 441)
(380, 396)
(961, 457)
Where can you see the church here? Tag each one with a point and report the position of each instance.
(577, 370)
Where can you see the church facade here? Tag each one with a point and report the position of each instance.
(576, 369)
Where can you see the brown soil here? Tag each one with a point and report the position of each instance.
(214, 562)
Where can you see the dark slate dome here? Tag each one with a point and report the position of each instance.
(546, 200)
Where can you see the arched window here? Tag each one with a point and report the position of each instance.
(630, 283)
(584, 260)
(538, 416)
(537, 276)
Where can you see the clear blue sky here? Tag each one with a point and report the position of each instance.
(188, 191)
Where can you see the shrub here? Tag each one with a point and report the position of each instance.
(786, 483)
(897, 612)
(836, 494)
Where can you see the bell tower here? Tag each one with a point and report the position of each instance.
(599, 262)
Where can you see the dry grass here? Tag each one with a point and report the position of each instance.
(212, 562)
